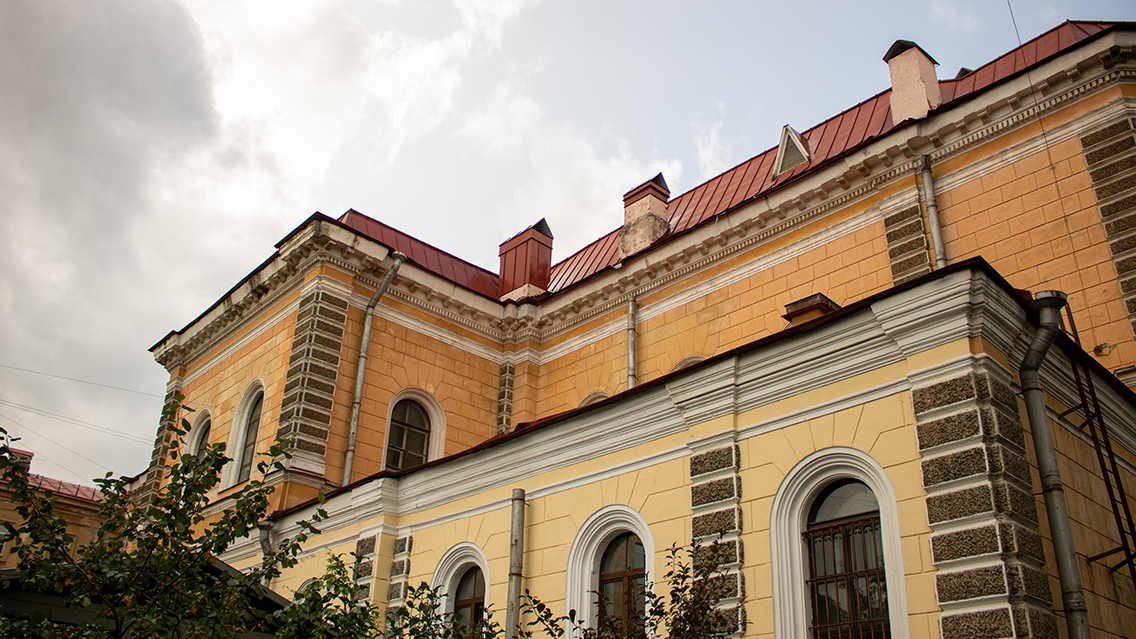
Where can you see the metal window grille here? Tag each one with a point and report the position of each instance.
(847, 588)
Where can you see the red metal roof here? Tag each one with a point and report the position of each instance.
(428, 257)
(828, 140)
(65, 489)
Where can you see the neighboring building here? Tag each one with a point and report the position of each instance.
(77, 505)
(785, 351)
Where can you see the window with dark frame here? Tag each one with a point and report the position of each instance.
(409, 435)
(469, 599)
(623, 580)
(203, 437)
(252, 426)
(847, 588)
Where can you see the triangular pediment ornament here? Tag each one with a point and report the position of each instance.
(792, 152)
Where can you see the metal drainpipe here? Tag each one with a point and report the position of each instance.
(933, 214)
(1048, 305)
(516, 562)
(399, 258)
(631, 313)
(265, 528)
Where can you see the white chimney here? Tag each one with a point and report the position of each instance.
(914, 85)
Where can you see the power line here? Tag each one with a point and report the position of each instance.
(76, 422)
(81, 381)
(57, 464)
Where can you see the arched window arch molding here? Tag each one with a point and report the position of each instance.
(236, 443)
(787, 522)
(193, 437)
(436, 449)
(688, 362)
(595, 397)
(453, 564)
(587, 549)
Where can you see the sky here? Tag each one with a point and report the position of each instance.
(152, 152)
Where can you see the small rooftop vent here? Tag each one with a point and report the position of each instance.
(792, 151)
(809, 308)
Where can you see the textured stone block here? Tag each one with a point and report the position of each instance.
(1034, 622)
(1028, 582)
(1004, 395)
(982, 624)
(1109, 131)
(396, 591)
(1116, 188)
(712, 460)
(965, 463)
(965, 543)
(364, 569)
(1004, 426)
(959, 504)
(1009, 463)
(895, 219)
(905, 231)
(948, 429)
(971, 584)
(1109, 150)
(717, 522)
(403, 544)
(943, 394)
(1119, 206)
(709, 557)
(1015, 502)
(1020, 540)
(910, 246)
(399, 567)
(338, 302)
(906, 264)
(717, 490)
(1109, 170)
(365, 546)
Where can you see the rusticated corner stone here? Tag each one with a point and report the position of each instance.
(712, 460)
(943, 394)
(971, 584)
(978, 625)
(948, 429)
(717, 490)
(720, 521)
(965, 463)
(1013, 501)
(959, 504)
(972, 542)
(396, 591)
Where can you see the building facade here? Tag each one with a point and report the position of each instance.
(829, 334)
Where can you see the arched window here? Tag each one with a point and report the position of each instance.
(837, 559)
(198, 436)
(846, 586)
(250, 429)
(622, 580)
(595, 397)
(616, 536)
(409, 436)
(469, 598)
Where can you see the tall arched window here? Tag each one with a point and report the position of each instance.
(409, 437)
(251, 427)
(622, 581)
(837, 559)
(613, 545)
(847, 587)
(198, 436)
(469, 598)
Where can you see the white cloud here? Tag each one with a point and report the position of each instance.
(713, 153)
(956, 16)
(572, 185)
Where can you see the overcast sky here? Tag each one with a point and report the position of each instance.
(153, 151)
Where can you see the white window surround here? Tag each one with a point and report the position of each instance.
(584, 557)
(236, 442)
(452, 566)
(436, 449)
(787, 522)
(595, 397)
(687, 362)
(192, 444)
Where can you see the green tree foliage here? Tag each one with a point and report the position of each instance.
(328, 607)
(151, 570)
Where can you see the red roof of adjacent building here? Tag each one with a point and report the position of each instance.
(64, 489)
(826, 141)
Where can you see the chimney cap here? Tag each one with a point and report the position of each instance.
(903, 45)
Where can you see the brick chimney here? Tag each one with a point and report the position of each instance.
(644, 216)
(526, 263)
(914, 85)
